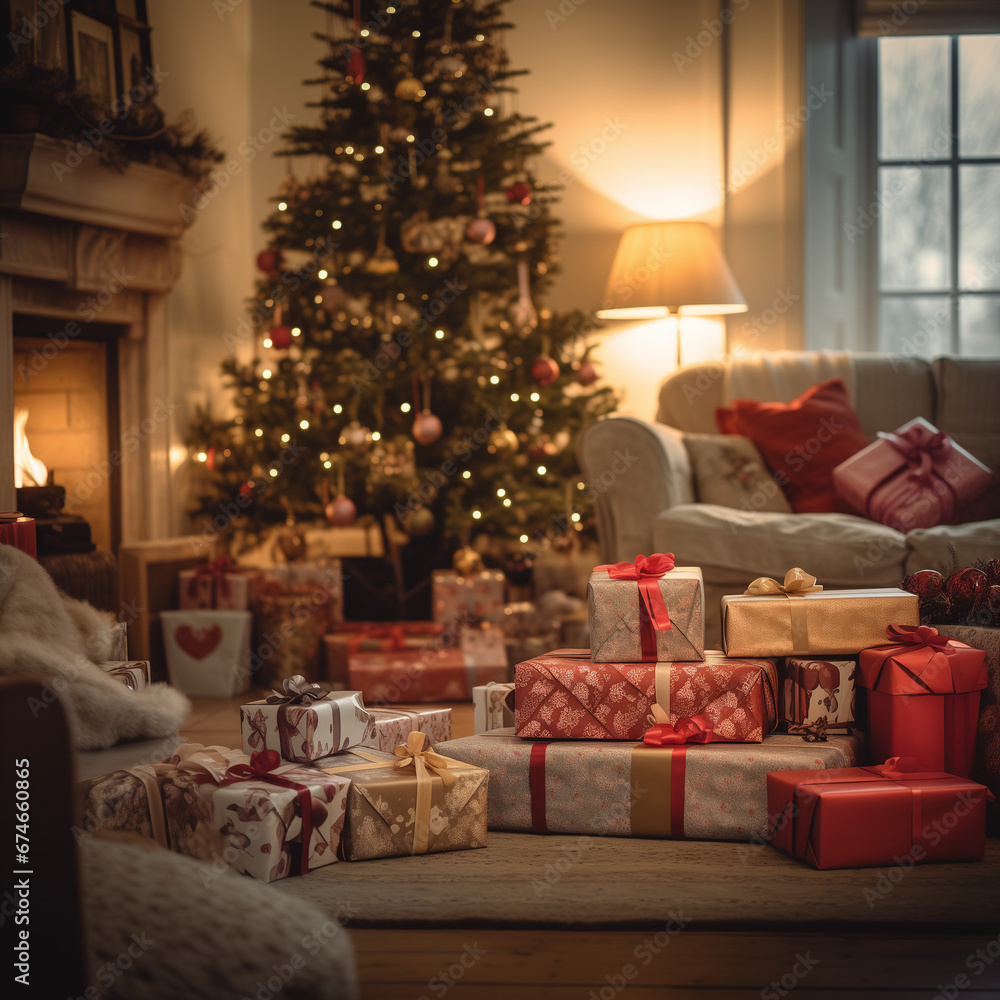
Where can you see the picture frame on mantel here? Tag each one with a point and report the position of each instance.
(94, 58)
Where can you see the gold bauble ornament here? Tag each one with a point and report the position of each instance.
(410, 89)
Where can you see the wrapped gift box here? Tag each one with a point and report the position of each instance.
(915, 477)
(642, 612)
(923, 698)
(134, 674)
(393, 725)
(305, 722)
(208, 652)
(428, 805)
(859, 817)
(819, 692)
(219, 584)
(350, 638)
(564, 695)
(433, 673)
(219, 805)
(294, 606)
(715, 791)
(19, 531)
(492, 706)
(787, 620)
(466, 595)
(987, 762)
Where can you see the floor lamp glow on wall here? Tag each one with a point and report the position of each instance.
(666, 269)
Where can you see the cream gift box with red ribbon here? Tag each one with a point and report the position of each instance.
(564, 695)
(914, 477)
(218, 584)
(412, 801)
(253, 814)
(646, 611)
(305, 722)
(798, 617)
(208, 652)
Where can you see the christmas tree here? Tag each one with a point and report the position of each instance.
(404, 370)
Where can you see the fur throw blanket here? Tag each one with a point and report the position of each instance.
(59, 640)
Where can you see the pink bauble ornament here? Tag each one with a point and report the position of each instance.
(341, 510)
(587, 375)
(481, 231)
(545, 371)
(427, 428)
(281, 337)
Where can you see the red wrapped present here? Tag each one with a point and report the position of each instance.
(859, 817)
(219, 584)
(465, 595)
(19, 531)
(923, 698)
(564, 695)
(712, 792)
(818, 693)
(349, 638)
(915, 477)
(646, 611)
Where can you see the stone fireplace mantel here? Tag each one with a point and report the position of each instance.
(90, 244)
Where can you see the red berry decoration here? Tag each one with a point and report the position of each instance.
(965, 589)
(341, 510)
(269, 261)
(587, 375)
(519, 193)
(281, 337)
(427, 428)
(545, 371)
(924, 583)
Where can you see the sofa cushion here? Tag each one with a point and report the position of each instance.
(967, 405)
(729, 470)
(802, 441)
(947, 547)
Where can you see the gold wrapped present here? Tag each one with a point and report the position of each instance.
(412, 801)
(797, 617)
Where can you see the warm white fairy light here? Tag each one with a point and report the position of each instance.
(542, 470)
(535, 397)
(439, 334)
(259, 432)
(476, 515)
(416, 34)
(267, 341)
(365, 32)
(494, 380)
(506, 502)
(376, 436)
(202, 456)
(336, 224)
(304, 424)
(266, 373)
(282, 206)
(322, 273)
(514, 397)
(337, 408)
(348, 150)
(380, 149)
(404, 407)
(328, 464)
(285, 438)
(488, 112)
(522, 539)
(574, 517)
(411, 138)
(296, 331)
(432, 261)
(317, 300)
(366, 86)
(581, 485)
(501, 493)
(273, 472)
(466, 474)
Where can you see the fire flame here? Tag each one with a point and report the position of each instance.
(28, 470)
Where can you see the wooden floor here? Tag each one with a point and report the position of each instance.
(490, 963)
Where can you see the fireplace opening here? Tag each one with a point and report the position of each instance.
(69, 390)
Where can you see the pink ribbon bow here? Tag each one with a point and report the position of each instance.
(697, 729)
(919, 451)
(646, 571)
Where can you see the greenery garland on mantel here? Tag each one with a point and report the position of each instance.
(35, 98)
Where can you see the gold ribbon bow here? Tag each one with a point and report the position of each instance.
(413, 754)
(797, 584)
(657, 717)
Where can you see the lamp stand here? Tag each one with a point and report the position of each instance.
(676, 313)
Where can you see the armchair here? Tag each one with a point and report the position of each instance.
(646, 498)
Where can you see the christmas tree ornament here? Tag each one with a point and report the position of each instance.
(587, 373)
(503, 441)
(246, 489)
(542, 449)
(280, 337)
(481, 231)
(356, 436)
(356, 66)
(452, 66)
(210, 458)
(523, 312)
(269, 261)
(419, 522)
(545, 371)
(992, 571)
(399, 133)
(382, 262)
(965, 589)
(923, 583)
(410, 89)
(519, 193)
(420, 235)
(333, 298)
(467, 561)
(427, 428)
(340, 511)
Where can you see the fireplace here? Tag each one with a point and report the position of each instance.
(86, 262)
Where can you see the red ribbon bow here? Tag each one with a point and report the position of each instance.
(697, 729)
(646, 571)
(897, 767)
(216, 571)
(918, 635)
(394, 636)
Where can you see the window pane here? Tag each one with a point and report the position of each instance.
(914, 239)
(978, 106)
(915, 326)
(979, 239)
(914, 120)
(979, 326)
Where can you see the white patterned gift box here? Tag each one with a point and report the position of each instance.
(464, 595)
(815, 690)
(492, 706)
(134, 674)
(392, 726)
(305, 722)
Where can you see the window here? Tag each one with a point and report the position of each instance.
(938, 163)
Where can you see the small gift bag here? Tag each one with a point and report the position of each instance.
(208, 652)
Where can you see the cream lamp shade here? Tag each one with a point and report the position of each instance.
(670, 268)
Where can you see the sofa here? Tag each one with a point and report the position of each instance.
(647, 497)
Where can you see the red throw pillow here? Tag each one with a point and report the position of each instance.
(801, 441)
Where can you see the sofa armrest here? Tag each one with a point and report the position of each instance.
(633, 470)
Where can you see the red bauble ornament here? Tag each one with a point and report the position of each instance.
(281, 337)
(210, 458)
(545, 371)
(356, 65)
(246, 489)
(481, 231)
(965, 589)
(992, 571)
(427, 428)
(519, 193)
(587, 375)
(341, 510)
(269, 261)
(924, 583)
